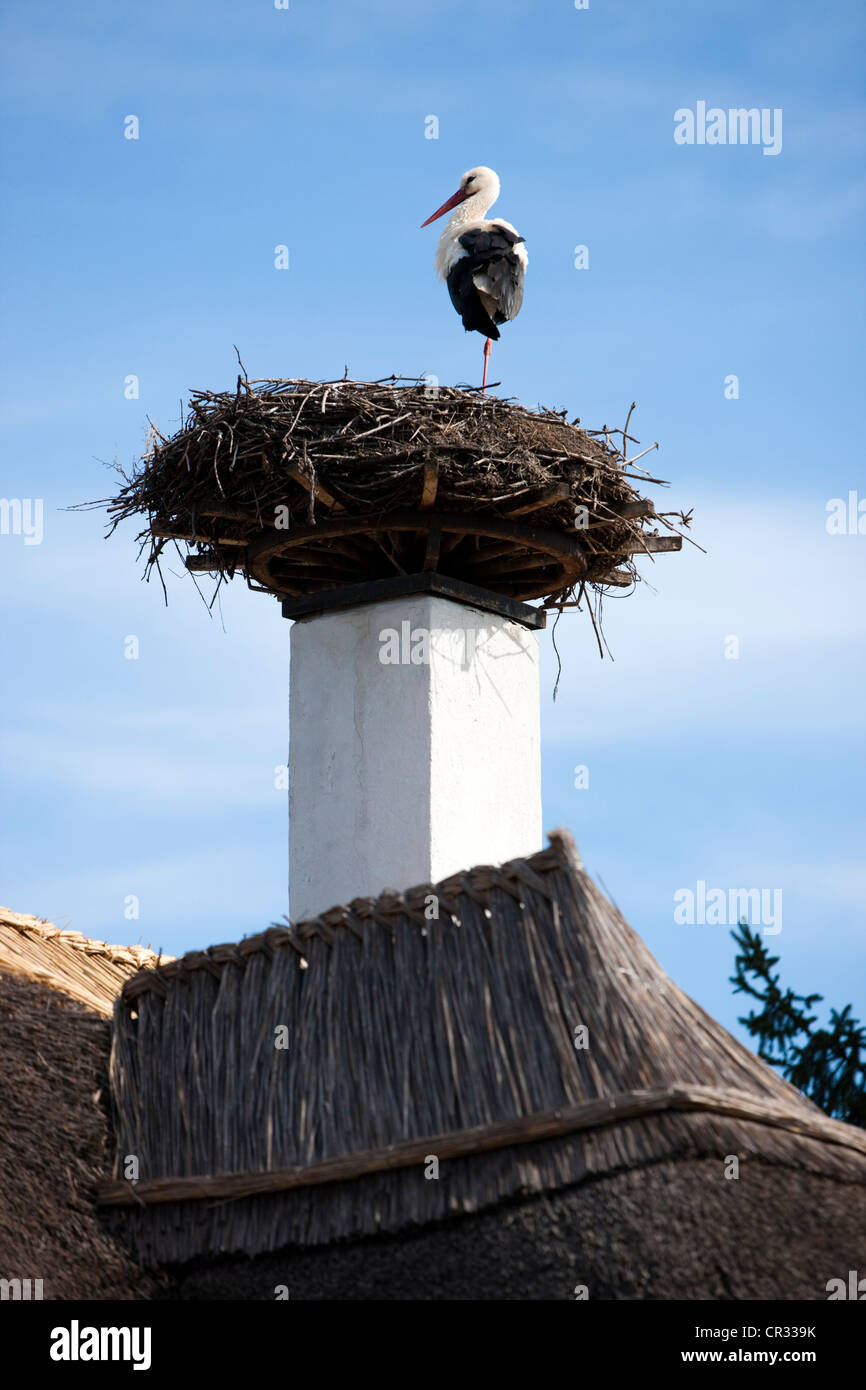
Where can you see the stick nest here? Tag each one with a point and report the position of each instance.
(305, 486)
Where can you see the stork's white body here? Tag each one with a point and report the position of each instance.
(483, 261)
(449, 250)
(469, 216)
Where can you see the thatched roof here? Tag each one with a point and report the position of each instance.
(306, 486)
(411, 1036)
(675, 1229)
(627, 1197)
(89, 971)
(57, 989)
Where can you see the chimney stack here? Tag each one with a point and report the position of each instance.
(414, 737)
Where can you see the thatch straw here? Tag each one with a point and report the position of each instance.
(90, 971)
(54, 1132)
(674, 1230)
(305, 486)
(403, 1029)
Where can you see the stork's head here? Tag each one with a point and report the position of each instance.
(479, 184)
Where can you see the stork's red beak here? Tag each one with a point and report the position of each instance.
(459, 197)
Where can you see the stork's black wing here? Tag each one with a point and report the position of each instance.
(486, 284)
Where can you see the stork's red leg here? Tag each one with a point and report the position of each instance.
(486, 360)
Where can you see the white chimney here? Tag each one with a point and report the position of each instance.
(414, 737)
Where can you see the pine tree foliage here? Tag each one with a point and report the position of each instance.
(827, 1064)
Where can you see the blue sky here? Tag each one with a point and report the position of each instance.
(306, 127)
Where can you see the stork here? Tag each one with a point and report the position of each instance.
(482, 262)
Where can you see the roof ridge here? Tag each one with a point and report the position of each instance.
(28, 925)
(513, 877)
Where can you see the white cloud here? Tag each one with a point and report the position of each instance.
(774, 579)
(213, 774)
(807, 212)
(183, 900)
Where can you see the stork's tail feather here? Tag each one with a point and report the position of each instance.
(491, 331)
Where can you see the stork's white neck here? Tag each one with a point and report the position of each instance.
(472, 209)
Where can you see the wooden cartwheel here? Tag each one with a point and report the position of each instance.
(520, 561)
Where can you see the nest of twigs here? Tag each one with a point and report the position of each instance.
(307, 486)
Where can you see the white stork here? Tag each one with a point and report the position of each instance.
(482, 262)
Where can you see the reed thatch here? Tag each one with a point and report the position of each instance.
(89, 971)
(676, 1229)
(57, 990)
(305, 486)
(410, 1037)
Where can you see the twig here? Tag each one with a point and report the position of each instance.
(648, 450)
(240, 363)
